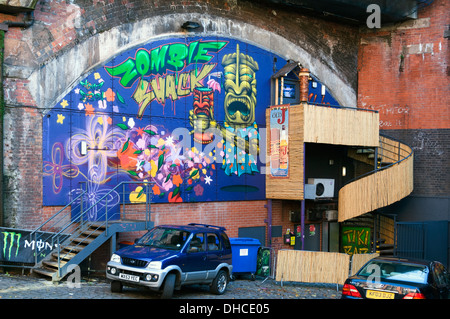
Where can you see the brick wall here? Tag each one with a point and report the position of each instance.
(403, 71)
(431, 159)
(23, 167)
(231, 215)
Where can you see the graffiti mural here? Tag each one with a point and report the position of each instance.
(187, 114)
(356, 240)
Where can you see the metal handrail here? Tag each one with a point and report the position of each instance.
(342, 107)
(83, 226)
(53, 218)
(399, 159)
(59, 221)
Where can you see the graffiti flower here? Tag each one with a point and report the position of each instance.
(89, 109)
(198, 189)
(110, 95)
(156, 190)
(127, 156)
(174, 198)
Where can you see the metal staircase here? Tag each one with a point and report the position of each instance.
(76, 234)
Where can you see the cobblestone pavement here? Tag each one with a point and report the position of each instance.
(13, 286)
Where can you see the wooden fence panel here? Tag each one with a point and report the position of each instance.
(312, 266)
(358, 260)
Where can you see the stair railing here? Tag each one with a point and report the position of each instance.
(58, 221)
(370, 191)
(104, 219)
(388, 152)
(65, 227)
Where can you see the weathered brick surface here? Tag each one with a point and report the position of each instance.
(431, 159)
(60, 26)
(23, 167)
(403, 71)
(231, 215)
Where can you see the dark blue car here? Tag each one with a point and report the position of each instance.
(170, 256)
(394, 278)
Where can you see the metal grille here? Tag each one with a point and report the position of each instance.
(134, 262)
(410, 240)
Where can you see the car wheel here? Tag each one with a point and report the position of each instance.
(116, 286)
(169, 286)
(220, 283)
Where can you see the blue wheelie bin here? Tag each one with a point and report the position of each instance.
(245, 254)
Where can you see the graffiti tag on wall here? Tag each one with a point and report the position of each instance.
(356, 240)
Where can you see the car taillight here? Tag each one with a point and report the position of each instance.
(415, 295)
(350, 290)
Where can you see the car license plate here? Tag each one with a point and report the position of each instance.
(129, 277)
(373, 294)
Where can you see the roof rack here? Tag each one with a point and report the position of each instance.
(208, 226)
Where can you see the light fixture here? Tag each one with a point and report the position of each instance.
(83, 148)
(190, 25)
(344, 171)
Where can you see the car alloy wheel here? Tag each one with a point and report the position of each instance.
(220, 283)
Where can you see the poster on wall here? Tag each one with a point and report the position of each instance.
(21, 246)
(279, 141)
(356, 240)
(183, 113)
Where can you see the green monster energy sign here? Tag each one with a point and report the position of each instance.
(10, 239)
(18, 246)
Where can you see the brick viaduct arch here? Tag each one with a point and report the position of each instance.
(48, 83)
(328, 50)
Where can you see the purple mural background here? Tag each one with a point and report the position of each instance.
(186, 113)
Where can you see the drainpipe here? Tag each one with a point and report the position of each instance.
(2, 113)
(304, 85)
(269, 222)
(26, 23)
(304, 91)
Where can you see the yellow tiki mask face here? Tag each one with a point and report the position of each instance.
(240, 87)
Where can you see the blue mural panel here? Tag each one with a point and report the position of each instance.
(184, 113)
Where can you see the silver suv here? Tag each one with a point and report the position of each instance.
(170, 256)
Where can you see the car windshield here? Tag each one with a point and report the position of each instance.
(380, 270)
(167, 238)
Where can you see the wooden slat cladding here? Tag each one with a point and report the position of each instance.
(329, 125)
(290, 187)
(377, 190)
(317, 124)
(312, 266)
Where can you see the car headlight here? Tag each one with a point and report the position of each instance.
(155, 265)
(115, 258)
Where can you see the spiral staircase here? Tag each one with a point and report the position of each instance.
(390, 181)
